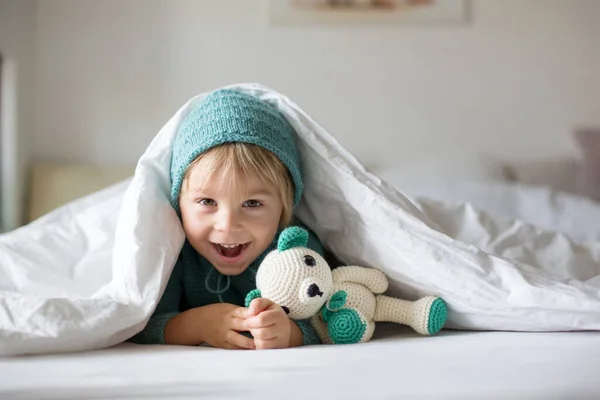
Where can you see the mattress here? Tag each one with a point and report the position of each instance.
(396, 364)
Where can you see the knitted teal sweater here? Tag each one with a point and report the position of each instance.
(194, 282)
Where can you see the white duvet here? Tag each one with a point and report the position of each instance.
(89, 274)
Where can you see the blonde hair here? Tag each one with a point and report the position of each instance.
(243, 160)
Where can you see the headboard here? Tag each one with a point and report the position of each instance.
(53, 185)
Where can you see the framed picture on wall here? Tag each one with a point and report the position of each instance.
(366, 12)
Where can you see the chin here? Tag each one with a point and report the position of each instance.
(231, 270)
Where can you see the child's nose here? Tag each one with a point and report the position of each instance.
(227, 220)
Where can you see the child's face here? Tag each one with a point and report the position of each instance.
(230, 228)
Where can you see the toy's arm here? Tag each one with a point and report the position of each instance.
(372, 278)
(309, 336)
(253, 294)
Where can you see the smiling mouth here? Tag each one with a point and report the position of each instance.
(230, 250)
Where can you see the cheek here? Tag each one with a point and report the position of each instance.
(269, 213)
(193, 222)
(266, 219)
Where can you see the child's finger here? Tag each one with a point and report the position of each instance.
(241, 313)
(268, 344)
(239, 324)
(259, 305)
(234, 347)
(235, 339)
(263, 319)
(264, 333)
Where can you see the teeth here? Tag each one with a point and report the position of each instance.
(229, 246)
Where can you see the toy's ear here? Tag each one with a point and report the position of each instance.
(254, 294)
(291, 237)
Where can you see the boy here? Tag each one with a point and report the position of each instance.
(236, 179)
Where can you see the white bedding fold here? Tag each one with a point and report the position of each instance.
(90, 274)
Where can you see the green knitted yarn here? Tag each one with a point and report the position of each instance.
(346, 326)
(291, 237)
(334, 304)
(253, 294)
(337, 300)
(437, 316)
(227, 116)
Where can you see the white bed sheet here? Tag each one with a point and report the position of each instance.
(396, 364)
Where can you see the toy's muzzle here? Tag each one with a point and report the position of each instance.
(313, 291)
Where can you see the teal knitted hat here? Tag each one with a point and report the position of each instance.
(226, 116)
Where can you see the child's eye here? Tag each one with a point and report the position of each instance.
(206, 202)
(252, 203)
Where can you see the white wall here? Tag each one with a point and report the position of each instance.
(17, 45)
(512, 83)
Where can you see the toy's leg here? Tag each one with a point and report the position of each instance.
(426, 316)
(369, 332)
(390, 309)
(321, 328)
(348, 325)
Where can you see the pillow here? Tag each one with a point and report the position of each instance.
(557, 173)
(414, 177)
(588, 173)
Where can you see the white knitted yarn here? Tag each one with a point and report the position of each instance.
(361, 284)
(359, 297)
(364, 287)
(372, 278)
(286, 279)
(300, 280)
(411, 313)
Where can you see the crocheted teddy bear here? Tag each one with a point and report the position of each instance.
(294, 276)
(343, 305)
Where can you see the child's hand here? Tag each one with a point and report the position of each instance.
(270, 326)
(221, 324)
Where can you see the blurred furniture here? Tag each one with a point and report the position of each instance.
(53, 185)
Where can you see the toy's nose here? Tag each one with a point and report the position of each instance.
(313, 290)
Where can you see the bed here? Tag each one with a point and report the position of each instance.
(396, 364)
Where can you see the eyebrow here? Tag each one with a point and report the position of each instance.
(248, 194)
(261, 192)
